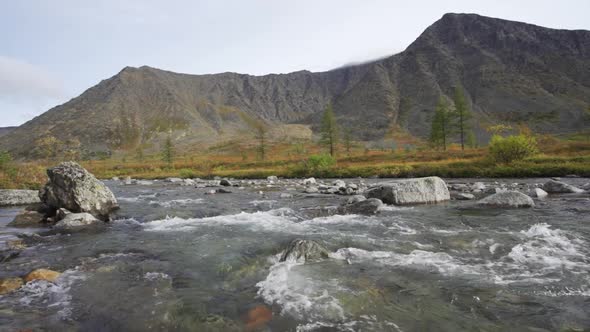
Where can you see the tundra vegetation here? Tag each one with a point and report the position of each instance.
(510, 152)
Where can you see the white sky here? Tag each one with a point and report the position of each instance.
(53, 50)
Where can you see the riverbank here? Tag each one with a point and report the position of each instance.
(563, 159)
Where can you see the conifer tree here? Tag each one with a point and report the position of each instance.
(441, 124)
(463, 116)
(329, 130)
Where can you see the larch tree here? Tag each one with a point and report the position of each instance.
(442, 124)
(463, 116)
(168, 151)
(329, 130)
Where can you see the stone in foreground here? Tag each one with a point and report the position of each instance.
(411, 191)
(42, 274)
(11, 197)
(75, 221)
(558, 187)
(303, 251)
(507, 199)
(71, 187)
(367, 206)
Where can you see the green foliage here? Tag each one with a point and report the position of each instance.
(329, 130)
(463, 116)
(187, 173)
(512, 148)
(5, 159)
(315, 165)
(441, 125)
(168, 151)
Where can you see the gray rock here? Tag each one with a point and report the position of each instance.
(76, 221)
(367, 206)
(339, 184)
(10, 197)
(285, 195)
(222, 191)
(356, 199)
(71, 187)
(507, 199)
(309, 181)
(478, 186)
(272, 178)
(27, 219)
(557, 187)
(302, 251)
(539, 193)
(411, 191)
(311, 190)
(225, 183)
(61, 213)
(174, 180)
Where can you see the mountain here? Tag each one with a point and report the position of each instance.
(511, 72)
(5, 130)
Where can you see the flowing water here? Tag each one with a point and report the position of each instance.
(176, 259)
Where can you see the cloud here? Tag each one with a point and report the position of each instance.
(23, 82)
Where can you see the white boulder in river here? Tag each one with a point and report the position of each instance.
(426, 190)
(71, 187)
(10, 197)
(509, 199)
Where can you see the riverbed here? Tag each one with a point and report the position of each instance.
(177, 258)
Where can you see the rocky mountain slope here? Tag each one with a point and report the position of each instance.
(5, 130)
(512, 73)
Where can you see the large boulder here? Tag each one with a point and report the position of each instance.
(367, 206)
(42, 274)
(411, 191)
(71, 187)
(302, 251)
(9, 197)
(507, 199)
(558, 187)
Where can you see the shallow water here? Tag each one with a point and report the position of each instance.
(177, 259)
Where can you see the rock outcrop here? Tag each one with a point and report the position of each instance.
(8, 285)
(507, 199)
(411, 191)
(10, 197)
(71, 187)
(303, 251)
(558, 187)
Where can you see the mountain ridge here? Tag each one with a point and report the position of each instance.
(512, 72)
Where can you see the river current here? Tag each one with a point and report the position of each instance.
(176, 259)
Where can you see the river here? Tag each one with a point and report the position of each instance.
(178, 259)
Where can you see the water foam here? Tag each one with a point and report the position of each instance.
(298, 295)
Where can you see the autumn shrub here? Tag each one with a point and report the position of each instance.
(512, 148)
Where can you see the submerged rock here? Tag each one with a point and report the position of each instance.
(463, 196)
(10, 197)
(355, 199)
(508, 199)
(557, 187)
(411, 191)
(42, 274)
(71, 187)
(75, 221)
(366, 206)
(27, 219)
(303, 251)
(309, 181)
(311, 190)
(8, 285)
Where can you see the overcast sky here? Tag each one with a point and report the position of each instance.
(53, 50)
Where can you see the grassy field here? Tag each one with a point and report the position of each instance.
(556, 158)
